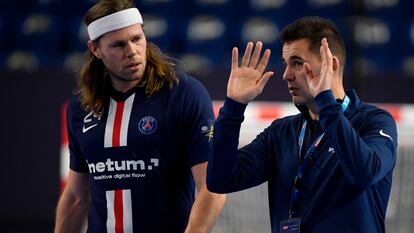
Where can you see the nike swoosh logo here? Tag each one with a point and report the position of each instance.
(381, 132)
(86, 129)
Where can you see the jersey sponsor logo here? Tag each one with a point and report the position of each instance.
(88, 119)
(122, 165)
(331, 150)
(381, 132)
(147, 125)
(122, 169)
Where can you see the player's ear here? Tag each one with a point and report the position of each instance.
(94, 49)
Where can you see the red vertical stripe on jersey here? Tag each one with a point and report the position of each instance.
(64, 133)
(63, 156)
(119, 212)
(117, 124)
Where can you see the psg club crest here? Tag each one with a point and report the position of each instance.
(147, 125)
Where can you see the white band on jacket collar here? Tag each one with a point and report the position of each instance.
(115, 21)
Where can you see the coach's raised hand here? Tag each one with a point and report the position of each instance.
(323, 81)
(247, 81)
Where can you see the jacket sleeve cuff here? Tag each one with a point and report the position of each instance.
(233, 108)
(325, 100)
(328, 108)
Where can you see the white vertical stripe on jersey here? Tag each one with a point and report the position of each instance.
(110, 221)
(125, 120)
(126, 210)
(109, 128)
(126, 198)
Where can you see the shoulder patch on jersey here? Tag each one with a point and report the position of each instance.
(147, 125)
(208, 129)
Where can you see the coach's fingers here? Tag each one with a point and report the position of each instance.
(264, 79)
(256, 55)
(235, 58)
(247, 54)
(308, 71)
(263, 62)
(326, 55)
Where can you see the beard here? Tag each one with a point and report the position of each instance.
(131, 77)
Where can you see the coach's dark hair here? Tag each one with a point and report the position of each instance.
(313, 29)
(93, 81)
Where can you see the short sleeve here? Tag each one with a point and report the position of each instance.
(195, 111)
(77, 160)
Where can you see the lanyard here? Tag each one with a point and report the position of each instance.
(308, 156)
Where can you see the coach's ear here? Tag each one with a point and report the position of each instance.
(336, 65)
(94, 49)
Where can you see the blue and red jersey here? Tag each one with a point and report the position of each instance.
(139, 155)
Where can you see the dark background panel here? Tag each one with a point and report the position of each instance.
(30, 145)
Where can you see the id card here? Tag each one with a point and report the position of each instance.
(290, 226)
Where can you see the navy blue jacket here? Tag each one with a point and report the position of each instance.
(346, 186)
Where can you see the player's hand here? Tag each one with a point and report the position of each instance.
(323, 82)
(247, 81)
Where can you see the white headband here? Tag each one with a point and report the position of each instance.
(115, 21)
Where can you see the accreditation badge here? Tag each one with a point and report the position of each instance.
(291, 225)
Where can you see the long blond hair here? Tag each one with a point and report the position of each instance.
(93, 81)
